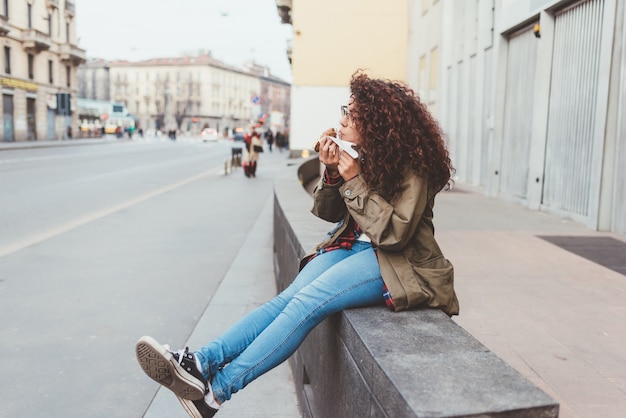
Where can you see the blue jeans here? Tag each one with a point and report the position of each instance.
(330, 282)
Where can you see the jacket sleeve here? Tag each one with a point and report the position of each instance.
(390, 226)
(327, 202)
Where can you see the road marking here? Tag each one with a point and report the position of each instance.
(66, 227)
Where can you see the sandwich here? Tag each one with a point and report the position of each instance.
(328, 132)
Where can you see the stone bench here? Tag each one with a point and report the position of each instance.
(371, 362)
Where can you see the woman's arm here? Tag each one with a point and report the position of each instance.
(327, 202)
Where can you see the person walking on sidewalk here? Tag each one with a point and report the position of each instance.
(269, 138)
(256, 147)
(381, 252)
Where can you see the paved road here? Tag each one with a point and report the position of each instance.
(557, 317)
(104, 243)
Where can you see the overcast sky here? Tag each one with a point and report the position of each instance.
(235, 31)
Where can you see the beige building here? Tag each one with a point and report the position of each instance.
(331, 40)
(189, 93)
(38, 78)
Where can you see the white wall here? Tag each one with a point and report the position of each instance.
(313, 110)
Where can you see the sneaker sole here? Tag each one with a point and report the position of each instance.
(194, 411)
(160, 366)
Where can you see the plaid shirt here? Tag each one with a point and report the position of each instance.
(351, 234)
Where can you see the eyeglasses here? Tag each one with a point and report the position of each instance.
(344, 113)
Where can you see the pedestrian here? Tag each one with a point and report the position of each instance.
(269, 138)
(381, 252)
(279, 141)
(256, 147)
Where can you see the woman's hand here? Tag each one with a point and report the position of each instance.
(348, 167)
(329, 155)
(336, 161)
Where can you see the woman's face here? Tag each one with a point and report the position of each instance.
(348, 131)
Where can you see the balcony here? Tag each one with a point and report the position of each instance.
(70, 8)
(52, 4)
(72, 54)
(284, 10)
(4, 25)
(36, 41)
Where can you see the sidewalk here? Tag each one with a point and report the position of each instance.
(557, 317)
(272, 395)
(106, 139)
(4, 145)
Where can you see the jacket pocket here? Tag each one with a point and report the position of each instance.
(436, 278)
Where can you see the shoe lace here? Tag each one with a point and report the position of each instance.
(179, 354)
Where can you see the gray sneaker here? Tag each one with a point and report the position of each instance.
(177, 371)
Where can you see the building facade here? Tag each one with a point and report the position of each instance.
(39, 61)
(187, 94)
(93, 80)
(275, 100)
(531, 95)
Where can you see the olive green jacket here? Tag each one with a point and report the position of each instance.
(411, 262)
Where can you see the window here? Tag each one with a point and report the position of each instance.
(68, 75)
(5, 8)
(31, 66)
(421, 85)
(49, 19)
(50, 73)
(67, 32)
(7, 60)
(434, 67)
(30, 16)
(7, 111)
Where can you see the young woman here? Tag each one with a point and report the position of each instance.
(253, 154)
(382, 251)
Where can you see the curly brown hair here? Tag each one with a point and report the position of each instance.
(398, 133)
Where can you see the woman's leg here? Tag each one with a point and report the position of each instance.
(236, 339)
(353, 281)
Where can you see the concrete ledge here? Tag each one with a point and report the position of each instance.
(371, 362)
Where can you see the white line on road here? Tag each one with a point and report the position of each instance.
(61, 229)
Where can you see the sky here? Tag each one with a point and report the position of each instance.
(235, 31)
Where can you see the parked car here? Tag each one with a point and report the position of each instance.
(239, 136)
